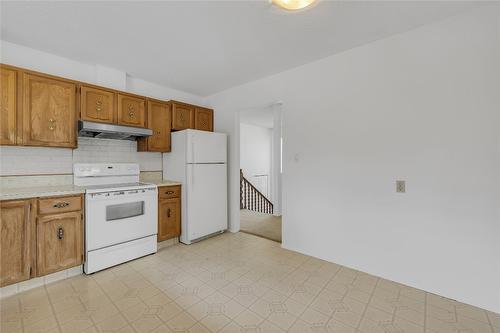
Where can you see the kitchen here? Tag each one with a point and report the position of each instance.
(108, 213)
(122, 184)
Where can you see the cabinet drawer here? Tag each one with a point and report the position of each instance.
(59, 205)
(167, 192)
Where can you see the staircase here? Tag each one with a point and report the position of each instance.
(252, 199)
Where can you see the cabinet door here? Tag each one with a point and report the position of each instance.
(169, 219)
(49, 112)
(204, 119)
(131, 111)
(182, 116)
(159, 120)
(98, 105)
(15, 225)
(8, 116)
(59, 242)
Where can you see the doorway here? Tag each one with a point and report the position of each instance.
(260, 172)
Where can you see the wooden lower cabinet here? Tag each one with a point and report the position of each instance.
(59, 242)
(15, 232)
(36, 242)
(169, 213)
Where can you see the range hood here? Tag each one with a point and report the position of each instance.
(110, 131)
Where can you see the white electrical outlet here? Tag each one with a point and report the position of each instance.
(400, 186)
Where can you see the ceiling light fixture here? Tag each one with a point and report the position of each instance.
(293, 4)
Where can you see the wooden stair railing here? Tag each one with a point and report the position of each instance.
(252, 199)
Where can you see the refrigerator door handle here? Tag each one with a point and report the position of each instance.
(192, 151)
(192, 176)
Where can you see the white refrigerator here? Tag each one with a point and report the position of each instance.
(199, 161)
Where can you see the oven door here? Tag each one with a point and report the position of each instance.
(120, 216)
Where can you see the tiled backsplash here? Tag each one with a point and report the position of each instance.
(92, 150)
(35, 161)
(45, 161)
(151, 176)
(34, 181)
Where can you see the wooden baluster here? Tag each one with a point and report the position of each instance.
(241, 189)
(248, 197)
(254, 199)
(251, 198)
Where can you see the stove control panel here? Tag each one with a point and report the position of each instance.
(105, 169)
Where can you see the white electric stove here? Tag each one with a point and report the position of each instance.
(121, 214)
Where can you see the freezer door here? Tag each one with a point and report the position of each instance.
(206, 147)
(206, 202)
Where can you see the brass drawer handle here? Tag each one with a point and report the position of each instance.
(60, 233)
(168, 212)
(61, 204)
(169, 192)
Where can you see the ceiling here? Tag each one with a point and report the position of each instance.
(204, 47)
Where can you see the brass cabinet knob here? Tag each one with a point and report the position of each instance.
(52, 124)
(60, 233)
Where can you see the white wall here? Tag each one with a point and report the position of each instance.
(35, 160)
(422, 106)
(255, 153)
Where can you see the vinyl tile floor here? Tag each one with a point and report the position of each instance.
(236, 283)
(260, 224)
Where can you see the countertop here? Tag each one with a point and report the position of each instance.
(164, 182)
(57, 190)
(39, 191)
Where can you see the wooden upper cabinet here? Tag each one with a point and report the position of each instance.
(59, 242)
(131, 111)
(182, 116)
(15, 231)
(8, 116)
(204, 119)
(159, 121)
(97, 105)
(49, 111)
